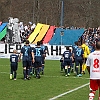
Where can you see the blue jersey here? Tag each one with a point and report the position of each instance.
(79, 53)
(38, 52)
(67, 55)
(74, 48)
(14, 59)
(26, 51)
(45, 48)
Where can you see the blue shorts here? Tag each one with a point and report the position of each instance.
(43, 60)
(37, 64)
(67, 63)
(27, 64)
(14, 66)
(78, 62)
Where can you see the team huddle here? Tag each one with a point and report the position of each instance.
(33, 59)
(75, 56)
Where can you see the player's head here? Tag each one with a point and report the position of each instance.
(76, 42)
(98, 45)
(41, 42)
(27, 42)
(83, 42)
(67, 48)
(38, 43)
(14, 51)
(79, 43)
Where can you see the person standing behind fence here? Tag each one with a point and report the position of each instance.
(86, 53)
(93, 67)
(13, 64)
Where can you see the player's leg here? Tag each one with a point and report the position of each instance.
(99, 89)
(42, 69)
(72, 66)
(69, 68)
(24, 69)
(28, 69)
(94, 87)
(43, 62)
(80, 73)
(99, 94)
(39, 68)
(36, 68)
(66, 68)
(84, 66)
(77, 66)
(33, 69)
(15, 74)
(11, 71)
(15, 71)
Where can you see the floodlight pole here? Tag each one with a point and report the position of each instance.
(61, 34)
(62, 13)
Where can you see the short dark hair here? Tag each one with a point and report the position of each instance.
(98, 45)
(67, 48)
(41, 42)
(76, 42)
(27, 41)
(38, 43)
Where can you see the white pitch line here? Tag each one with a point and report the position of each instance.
(54, 98)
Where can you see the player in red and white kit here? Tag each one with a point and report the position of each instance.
(93, 67)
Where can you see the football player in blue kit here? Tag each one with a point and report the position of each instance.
(67, 57)
(39, 53)
(32, 66)
(74, 47)
(13, 64)
(61, 63)
(78, 54)
(45, 50)
(28, 57)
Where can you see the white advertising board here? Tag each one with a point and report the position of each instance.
(55, 51)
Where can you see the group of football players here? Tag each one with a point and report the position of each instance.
(74, 59)
(33, 60)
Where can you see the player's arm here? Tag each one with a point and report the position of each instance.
(88, 68)
(88, 64)
(88, 50)
(47, 51)
(20, 56)
(32, 56)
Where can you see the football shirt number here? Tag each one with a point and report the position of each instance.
(96, 63)
(13, 59)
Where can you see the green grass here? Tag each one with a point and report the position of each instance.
(51, 84)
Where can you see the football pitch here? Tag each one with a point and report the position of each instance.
(53, 85)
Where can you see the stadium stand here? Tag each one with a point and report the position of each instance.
(42, 33)
(68, 37)
(49, 34)
(35, 32)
